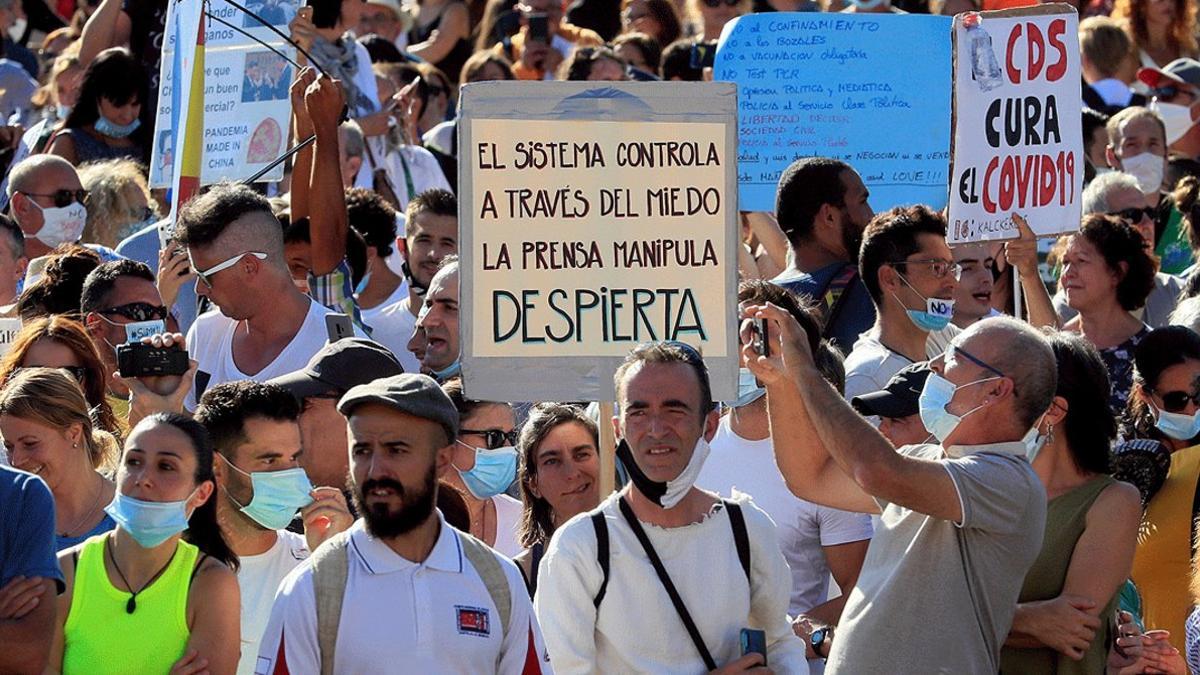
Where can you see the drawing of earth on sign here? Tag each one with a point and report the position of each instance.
(265, 142)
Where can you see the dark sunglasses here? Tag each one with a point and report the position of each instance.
(492, 438)
(77, 372)
(713, 4)
(138, 311)
(63, 198)
(1177, 401)
(1170, 91)
(1134, 215)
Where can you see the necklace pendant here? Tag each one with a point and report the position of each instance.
(131, 605)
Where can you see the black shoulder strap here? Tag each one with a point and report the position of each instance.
(668, 585)
(601, 528)
(535, 559)
(199, 564)
(737, 522)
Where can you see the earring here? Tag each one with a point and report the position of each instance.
(1049, 434)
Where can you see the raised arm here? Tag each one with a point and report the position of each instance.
(107, 27)
(1021, 253)
(303, 128)
(766, 229)
(868, 462)
(328, 222)
(455, 26)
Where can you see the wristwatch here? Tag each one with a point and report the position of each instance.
(820, 637)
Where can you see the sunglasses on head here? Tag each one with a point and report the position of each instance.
(1134, 215)
(62, 198)
(1177, 401)
(492, 438)
(717, 3)
(138, 311)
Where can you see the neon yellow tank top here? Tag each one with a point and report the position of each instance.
(100, 637)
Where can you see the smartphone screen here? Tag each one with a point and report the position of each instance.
(338, 327)
(539, 27)
(754, 641)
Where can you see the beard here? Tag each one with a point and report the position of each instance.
(416, 506)
(851, 238)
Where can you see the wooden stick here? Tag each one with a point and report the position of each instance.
(608, 450)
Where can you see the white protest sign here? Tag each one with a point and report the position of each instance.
(246, 105)
(583, 235)
(1018, 141)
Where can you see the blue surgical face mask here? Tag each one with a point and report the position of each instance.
(448, 372)
(106, 127)
(149, 523)
(362, 284)
(748, 389)
(1177, 425)
(934, 317)
(493, 472)
(277, 495)
(61, 111)
(1034, 441)
(935, 397)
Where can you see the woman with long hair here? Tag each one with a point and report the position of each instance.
(119, 201)
(1091, 525)
(1161, 30)
(103, 123)
(656, 18)
(558, 473)
(158, 592)
(48, 432)
(59, 342)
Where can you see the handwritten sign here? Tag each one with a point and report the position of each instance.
(872, 90)
(246, 106)
(1018, 142)
(590, 235)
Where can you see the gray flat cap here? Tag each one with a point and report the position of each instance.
(409, 393)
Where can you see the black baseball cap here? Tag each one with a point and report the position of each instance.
(340, 366)
(899, 397)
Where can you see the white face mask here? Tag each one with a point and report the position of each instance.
(1176, 118)
(61, 225)
(17, 30)
(1147, 168)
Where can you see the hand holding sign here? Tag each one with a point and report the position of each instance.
(304, 79)
(1022, 252)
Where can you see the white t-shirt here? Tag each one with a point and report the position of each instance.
(401, 293)
(393, 327)
(870, 364)
(399, 616)
(748, 467)
(258, 579)
(508, 521)
(210, 344)
(423, 171)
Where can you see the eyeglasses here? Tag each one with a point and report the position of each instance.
(492, 438)
(1177, 401)
(976, 360)
(713, 4)
(1134, 215)
(63, 198)
(138, 311)
(77, 372)
(206, 275)
(940, 268)
(1170, 91)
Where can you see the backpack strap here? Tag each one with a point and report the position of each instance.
(483, 559)
(330, 567)
(602, 555)
(741, 540)
(833, 300)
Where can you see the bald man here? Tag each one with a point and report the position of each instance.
(265, 327)
(961, 520)
(47, 202)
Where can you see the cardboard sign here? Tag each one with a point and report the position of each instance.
(594, 217)
(1018, 139)
(871, 90)
(247, 109)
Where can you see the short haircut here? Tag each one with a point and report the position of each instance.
(225, 408)
(372, 217)
(892, 236)
(1116, 124)
(16, 238)
(24, 175)
(437, 201)
(351, 137)
(356, 248)
(209, 217)
(578, 66)
(1090, 425)
(667, 352)
(1119, 243)
(647, 45)
(1104, 43)
(1024, 355)
(1092, 120)
(677, 62)
(804, 187)
(102, 280)
(1096, 194)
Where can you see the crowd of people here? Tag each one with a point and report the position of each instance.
(1012, 486)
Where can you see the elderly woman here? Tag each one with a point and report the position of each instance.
(1107, 273)
(119, 201)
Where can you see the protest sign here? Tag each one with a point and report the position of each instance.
(594, 217)
(1018, 139)
(246, 106)
(872, 90)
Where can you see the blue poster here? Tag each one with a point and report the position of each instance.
(871, 90)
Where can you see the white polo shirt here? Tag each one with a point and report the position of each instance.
(404, 617)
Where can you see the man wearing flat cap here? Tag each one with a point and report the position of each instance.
(402, 591)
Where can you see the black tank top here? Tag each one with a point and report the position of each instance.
(452, 63)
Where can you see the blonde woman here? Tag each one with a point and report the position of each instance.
(119, 201)
(47, 431)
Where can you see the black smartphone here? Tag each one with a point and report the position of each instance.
(325, 14)
(754, 641)
(761, 345)
(539, 27)
(703, 55)
(136, 359)
(338, 326)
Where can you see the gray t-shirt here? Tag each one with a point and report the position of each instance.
(934, 597)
